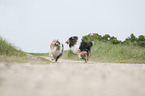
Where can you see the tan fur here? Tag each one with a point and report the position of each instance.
(52, 45)
(83, 55)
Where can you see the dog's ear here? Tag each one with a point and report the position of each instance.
(92, 42)
(58, 41)
(54, 40)
(72, 38)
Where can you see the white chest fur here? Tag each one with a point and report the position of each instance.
(76, 47)
(55, 52)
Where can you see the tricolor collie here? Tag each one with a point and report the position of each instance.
(56, 50)
(80, 47)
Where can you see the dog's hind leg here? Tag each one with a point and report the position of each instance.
(86, 59)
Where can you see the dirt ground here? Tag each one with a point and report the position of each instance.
(72, 78)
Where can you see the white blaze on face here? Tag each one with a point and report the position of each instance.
(76, 47)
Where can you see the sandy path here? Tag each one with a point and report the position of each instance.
(72, 78)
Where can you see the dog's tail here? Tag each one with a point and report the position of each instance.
(89, 51)
(91, 43)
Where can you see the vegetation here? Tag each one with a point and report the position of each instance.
(9, 49)
(106, 49)
(9, 53)
(107, 52)
(109, 49)
(40, 54)
(68, 54)
(140, 41)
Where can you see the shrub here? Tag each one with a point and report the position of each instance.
(141, 41)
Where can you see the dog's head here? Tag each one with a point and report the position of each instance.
(55, 43)
(72, 41)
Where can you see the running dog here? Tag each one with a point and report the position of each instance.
(80, 47)
(56, 50)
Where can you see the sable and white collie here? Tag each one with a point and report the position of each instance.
(80, 47)
(56, 50)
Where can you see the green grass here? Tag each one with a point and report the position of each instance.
(40, 54)
(44, 59)
(108, 52)
(8, 49)
(11, 54)
(105, 51)
(68, 54)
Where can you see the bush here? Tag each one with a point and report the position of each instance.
(106, 37)
(141, 41)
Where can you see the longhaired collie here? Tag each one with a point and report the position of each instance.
(56, 50)
(80, 47)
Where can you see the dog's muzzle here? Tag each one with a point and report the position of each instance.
(67, 42)
(56, 44)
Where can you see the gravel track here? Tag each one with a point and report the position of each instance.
(72, 78)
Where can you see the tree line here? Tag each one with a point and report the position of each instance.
(132, 39)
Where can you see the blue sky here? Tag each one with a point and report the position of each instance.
(33, 24)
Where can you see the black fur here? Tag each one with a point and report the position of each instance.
(73, 41)
(86, 46)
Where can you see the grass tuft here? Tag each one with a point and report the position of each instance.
(8, 49)
(11, 54)
(105, 51)
(40, 54)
